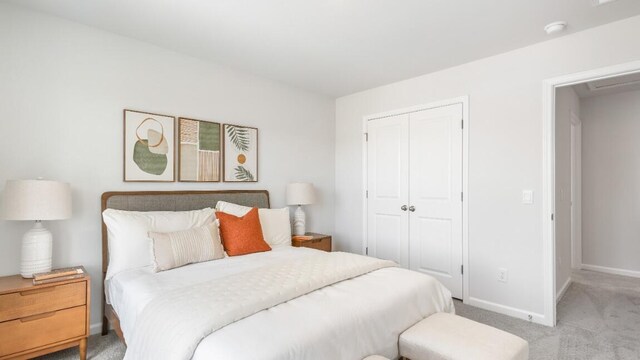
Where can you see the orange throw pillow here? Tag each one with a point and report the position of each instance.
(242, 235)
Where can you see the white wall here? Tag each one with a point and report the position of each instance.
(611, 181)
(506, 150)
(62, 91)
(567, 103)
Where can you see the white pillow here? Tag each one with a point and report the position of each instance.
(233, 209)
(128, 233)
(275, 223)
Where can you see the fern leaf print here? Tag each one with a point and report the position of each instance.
(243, 174)
(239, 136)
(240, 153)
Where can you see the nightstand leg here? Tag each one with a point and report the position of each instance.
(83, 349)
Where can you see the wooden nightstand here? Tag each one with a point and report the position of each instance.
(40, 319)
(318, 241)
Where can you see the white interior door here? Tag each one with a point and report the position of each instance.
(388, 187)
(435, 196)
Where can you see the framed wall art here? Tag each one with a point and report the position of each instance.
(240, 153)
(148, 147)
(200, 150)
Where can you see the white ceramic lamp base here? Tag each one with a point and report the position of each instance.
(299, 219)
(36, 251)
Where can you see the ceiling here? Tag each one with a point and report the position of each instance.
(336, 47)
(608, 86)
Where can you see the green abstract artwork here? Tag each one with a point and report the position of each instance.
(147, 161)
(209, 136)
(148, 146)
(200, 146)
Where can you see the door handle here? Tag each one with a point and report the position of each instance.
(412, 208)
(403, 208)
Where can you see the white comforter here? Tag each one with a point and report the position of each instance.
(347, 320)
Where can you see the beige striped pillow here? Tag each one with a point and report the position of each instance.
(175, 249)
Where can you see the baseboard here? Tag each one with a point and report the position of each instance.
(610, 270)
(507, 310)
(563, 290)
(95, 328)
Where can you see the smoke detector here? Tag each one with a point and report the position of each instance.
(555, 27)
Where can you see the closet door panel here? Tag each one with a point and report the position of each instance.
(435, 183)
(435, 235)
(387, 166)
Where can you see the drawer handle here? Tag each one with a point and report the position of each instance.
(315, 241)
(37, 317)
(37, 291)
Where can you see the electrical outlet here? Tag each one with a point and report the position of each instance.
(503, 275)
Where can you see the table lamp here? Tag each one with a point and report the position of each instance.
(300, 194)
(36, 200)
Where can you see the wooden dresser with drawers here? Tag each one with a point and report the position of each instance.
(40, 319)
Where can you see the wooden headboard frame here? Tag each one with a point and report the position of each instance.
(108, 315)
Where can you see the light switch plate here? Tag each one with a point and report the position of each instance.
(527, 197)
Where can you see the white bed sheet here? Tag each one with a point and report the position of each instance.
(347, 320)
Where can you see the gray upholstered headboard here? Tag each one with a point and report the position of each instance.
(182, 201)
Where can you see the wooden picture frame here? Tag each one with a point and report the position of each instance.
(240, 153)
(142, 161)
(199, 150)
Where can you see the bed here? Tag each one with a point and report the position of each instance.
(361, 315)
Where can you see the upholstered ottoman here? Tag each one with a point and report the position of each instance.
(444, 336)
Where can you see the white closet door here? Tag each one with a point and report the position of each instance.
(388, 182)
(435, 138)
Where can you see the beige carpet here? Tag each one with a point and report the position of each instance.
(99, 347)
(595, 322)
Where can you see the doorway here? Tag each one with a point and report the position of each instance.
(415, 183)
(572, 190)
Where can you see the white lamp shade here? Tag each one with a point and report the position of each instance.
(36, 200)
(300, 194)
